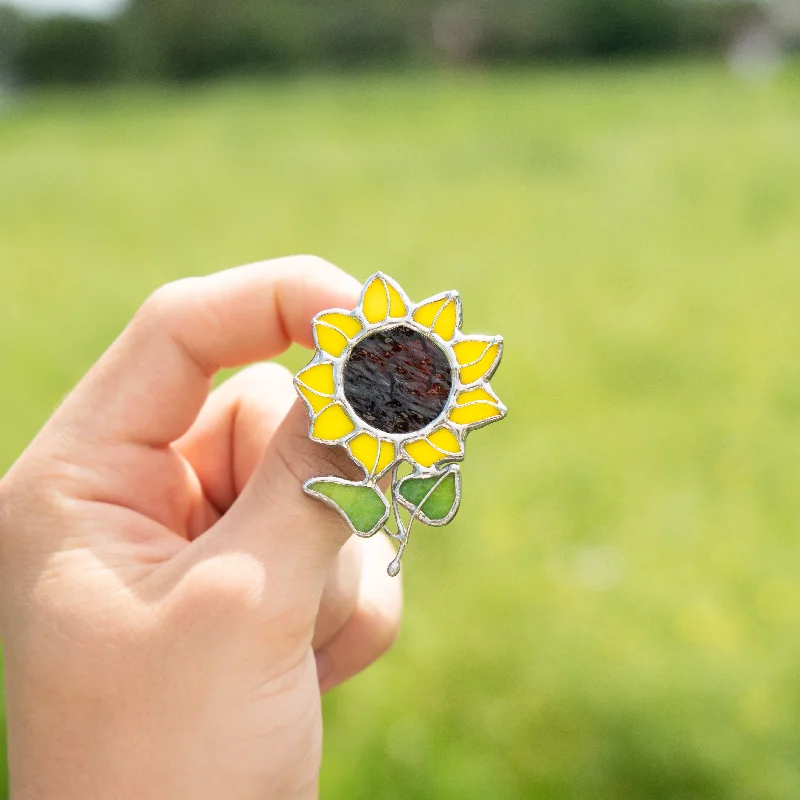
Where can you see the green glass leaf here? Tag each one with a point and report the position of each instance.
(442, 492)
(362, 506)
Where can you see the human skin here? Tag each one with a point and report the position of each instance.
(171, 603)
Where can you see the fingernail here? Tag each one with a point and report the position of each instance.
(324, 666)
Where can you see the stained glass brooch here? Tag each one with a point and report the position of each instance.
(399, 386)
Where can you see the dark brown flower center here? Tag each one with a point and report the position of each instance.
(397, 380)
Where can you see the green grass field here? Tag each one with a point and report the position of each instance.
(615, 614)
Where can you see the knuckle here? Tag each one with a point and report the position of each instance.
(310, 263)
(264, 374)
(182, 311)
(167, 300)
(312, 269)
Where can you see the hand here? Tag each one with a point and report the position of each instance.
(164, 581)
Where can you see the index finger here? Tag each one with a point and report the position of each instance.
(151, 383)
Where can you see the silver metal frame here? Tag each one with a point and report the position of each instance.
(443, 466)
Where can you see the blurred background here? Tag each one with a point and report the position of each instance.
(613, 185)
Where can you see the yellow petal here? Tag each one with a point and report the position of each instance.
(374, 455)
(331, 341)
(475, 405)
(332, 424)
(474, 412)
(334, 330)
(397, 308)
(445, 440)
(446, 321)
(421, 452)
(439, 444)
(477, 356)
(472, 395)
(364, 449)
(470, 350)
(316, 401)
(386, 457)
(348, 325)
(476, 371)
(426, 313)
(375, 303)
(319, 378)
(316, 385)
(382, 300)
(439, 315)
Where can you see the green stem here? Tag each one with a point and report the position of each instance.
(394, 567)
(402, 532)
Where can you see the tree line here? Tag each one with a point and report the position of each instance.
(185, 40)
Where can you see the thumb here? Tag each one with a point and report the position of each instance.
(294, 536)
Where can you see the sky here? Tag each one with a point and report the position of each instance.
(91, 7)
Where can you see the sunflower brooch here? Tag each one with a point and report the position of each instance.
(397, 383)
